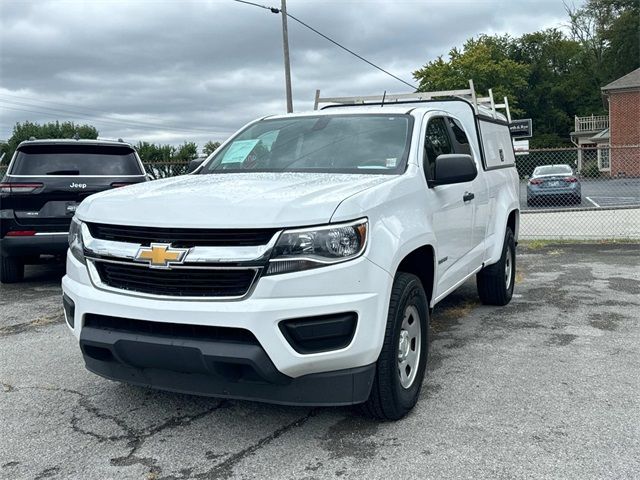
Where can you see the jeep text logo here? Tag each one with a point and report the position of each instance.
(78, 185)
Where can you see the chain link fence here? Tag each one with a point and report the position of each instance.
(565, 193)
(580, 193)
(166, 169)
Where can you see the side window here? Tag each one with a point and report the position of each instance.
(460, 140)
(436, 142)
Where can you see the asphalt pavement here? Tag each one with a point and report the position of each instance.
(546, 387)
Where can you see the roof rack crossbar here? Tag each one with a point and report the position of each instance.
(390, 97)
(484, 105)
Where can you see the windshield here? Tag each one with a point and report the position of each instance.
(74, 160)
(332, 143)
(553, 170)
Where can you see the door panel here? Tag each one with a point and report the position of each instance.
(479, 188)
(452, 221)
(451, 217)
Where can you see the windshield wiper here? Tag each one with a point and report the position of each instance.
(64, 172)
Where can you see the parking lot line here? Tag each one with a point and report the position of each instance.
(594, 203)
(619, 198)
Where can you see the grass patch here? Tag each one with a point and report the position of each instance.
(540, 244)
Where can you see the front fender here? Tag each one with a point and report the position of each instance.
(398, 221)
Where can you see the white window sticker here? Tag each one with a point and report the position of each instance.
(239, 151)
(392, 162)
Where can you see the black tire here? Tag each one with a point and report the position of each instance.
(492, 279)
(388, 399)
(11, 269)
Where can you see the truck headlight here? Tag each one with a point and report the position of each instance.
(75, 240)
(306, 248)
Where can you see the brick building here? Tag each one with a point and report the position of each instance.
(613, 140)
(623, 97)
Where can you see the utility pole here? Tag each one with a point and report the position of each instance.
(285, 45)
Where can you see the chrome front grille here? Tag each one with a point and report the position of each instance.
(225, 266)
(183, 237)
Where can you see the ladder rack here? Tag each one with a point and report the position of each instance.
(482, 105)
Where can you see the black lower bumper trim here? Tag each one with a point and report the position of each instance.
(215, 368)
(34, 245)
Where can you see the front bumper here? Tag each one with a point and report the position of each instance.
(42, 243)
(329, 378)
(150, 363)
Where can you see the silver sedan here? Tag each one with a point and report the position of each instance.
(550, 183)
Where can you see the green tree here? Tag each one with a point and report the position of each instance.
(166, 160)
(623, 36)
(210, 147)
(186, 152)
(547, 75)
(25, 130)
(559, 85)
(486, 60)
(609, 31)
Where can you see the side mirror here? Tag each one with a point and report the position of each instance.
(194, 164)
(453, 168)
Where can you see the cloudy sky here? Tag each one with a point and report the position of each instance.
(174, 70)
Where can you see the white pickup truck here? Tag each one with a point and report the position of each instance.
(300, 262)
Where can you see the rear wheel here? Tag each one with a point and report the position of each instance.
(495, 282)
(11, 269)
(403, 359)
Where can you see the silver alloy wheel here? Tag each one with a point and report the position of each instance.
(409, 346)
(508, 268)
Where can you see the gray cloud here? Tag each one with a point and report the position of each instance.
(163, 70)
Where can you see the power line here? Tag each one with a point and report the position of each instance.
(97, 121)
(54, 113)
(326, 37)
(272, 9)
(10, 97)
(113, 121)
(350, 51)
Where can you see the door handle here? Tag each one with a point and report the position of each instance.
(468, 196)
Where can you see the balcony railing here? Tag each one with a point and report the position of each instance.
(594, 123)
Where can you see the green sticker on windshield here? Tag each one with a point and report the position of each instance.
(239, 151)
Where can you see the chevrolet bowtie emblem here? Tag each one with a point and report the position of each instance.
(161, 255)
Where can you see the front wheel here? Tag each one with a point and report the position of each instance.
(403, 359)
(495, 282)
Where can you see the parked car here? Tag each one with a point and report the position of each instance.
(551, 183)
(45, 182)
(300, 262)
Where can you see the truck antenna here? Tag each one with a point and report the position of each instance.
(384, 95)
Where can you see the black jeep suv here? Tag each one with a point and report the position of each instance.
(44, 183)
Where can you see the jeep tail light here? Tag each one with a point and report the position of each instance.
(21, 233)
(535, 181)
(19, 187)
(121, 184)
(571, 179)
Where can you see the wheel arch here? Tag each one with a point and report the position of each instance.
(508, 220)
(513, 222)
(421, 263)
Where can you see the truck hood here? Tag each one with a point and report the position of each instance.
(231, 200)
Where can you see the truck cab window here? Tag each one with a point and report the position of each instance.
(460, 140)
(436, 142)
